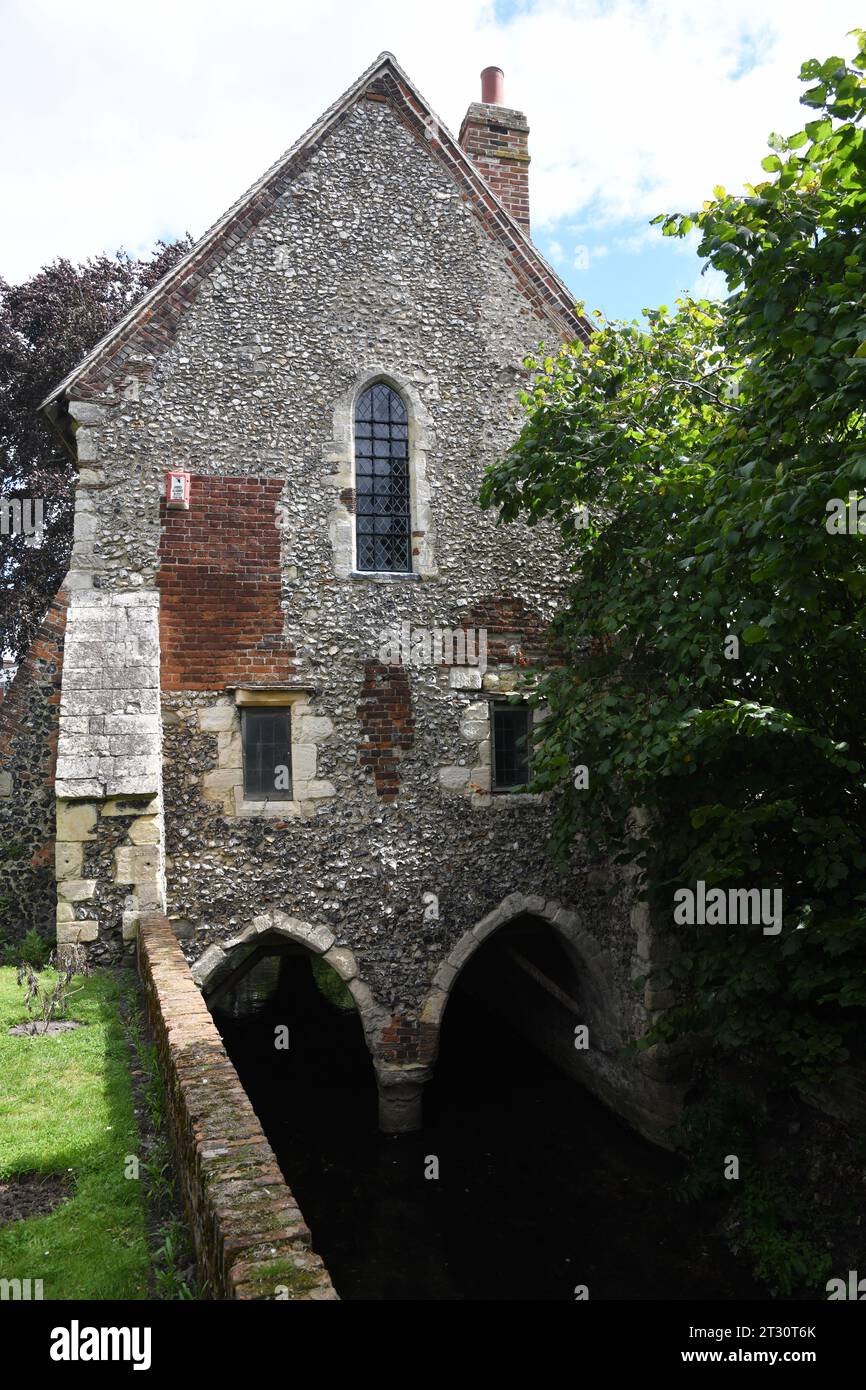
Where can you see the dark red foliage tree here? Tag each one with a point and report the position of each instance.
(47, 324)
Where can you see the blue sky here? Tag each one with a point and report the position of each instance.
(627, 270)
(120, 126)
(746, 59)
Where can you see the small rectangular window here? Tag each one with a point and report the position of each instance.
(267, 745)
(512, 726)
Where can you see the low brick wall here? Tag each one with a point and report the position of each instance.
(249, 1234)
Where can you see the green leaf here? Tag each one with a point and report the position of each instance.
(819, 130)
(710, 523)
(816, 96)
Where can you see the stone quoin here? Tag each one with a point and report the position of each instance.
(279, 452)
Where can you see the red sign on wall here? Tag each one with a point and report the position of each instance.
(177, 491)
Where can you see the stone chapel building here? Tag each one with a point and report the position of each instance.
(275, 680)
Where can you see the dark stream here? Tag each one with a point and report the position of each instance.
(540, 1188)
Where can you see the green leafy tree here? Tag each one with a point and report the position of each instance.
(47, 324)
(715, 668)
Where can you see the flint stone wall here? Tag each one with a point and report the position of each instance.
(372, 265)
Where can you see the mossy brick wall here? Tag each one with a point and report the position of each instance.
(250, 1237)
(28, 755)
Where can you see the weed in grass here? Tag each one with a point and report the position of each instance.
(47, 1000)
(171, 1280)
(173, 1260)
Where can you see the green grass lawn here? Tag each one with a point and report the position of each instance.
(66, 1107)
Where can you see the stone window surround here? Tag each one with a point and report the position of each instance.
(275, 764)
(501, 698)
(339, 453)
(474, 780)
(225, 784)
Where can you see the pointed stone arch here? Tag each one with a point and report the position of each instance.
(586, 953)
(220, 963)
(638, 1088)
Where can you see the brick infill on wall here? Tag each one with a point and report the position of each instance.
(387, 725)
(250, 1237)
(220, 581)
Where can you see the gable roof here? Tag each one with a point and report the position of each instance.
(150, 325)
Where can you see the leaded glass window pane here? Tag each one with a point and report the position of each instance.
(512, 726)
(383, 521)
(267, 747)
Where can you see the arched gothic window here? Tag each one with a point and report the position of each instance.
(383, 520)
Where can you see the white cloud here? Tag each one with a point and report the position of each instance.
(123, 124)
(584, 256)
(657, 114)
(653, 237)
(710, 285)
(636, 242)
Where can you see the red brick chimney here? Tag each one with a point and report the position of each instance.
(496, 140)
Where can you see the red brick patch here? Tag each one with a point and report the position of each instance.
(219, 577)
(387, 724)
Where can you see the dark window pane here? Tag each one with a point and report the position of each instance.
(382, 462)
(512, 725)
(383, 397)
(267, 745)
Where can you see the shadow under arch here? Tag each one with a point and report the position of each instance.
(600, 992)
(592, 993)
